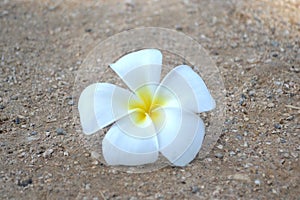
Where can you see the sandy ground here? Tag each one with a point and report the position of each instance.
(256, 46)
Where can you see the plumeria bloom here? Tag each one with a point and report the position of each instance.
(149, 117)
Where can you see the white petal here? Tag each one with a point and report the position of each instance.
(181, 137)
(168, 122)
(191, 152)
(139, 68)
(132, 125)
(86, 110)
(101, 104)
(121, 149)
(189, 88)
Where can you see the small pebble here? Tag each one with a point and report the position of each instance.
(237, 59)
(286, 155)
(247, 165)
(286, 32)
(294, 154)
(271, 105)
(257, 182)
(2, 107)
(130, 3)
(71, 102)
(60, 131)
(32, 138)
(3, 13)
(289, 118)
(219, 155)
(239, 137)
(233, 44)
(22, 155)
(178, 27)
(274, 43)
(274, 54)
(95, 162)
(95, 155)
(251, 93)
(278, 83)
(47, 133)
(195, 189)
(25, 183)
(48, 153)
(17, 120)
(269, 182)
(277, 126)
(294, 69)
(282, 140)
(246, 119)
(242, 99)
(252, 60)
(14, 97)
(88, 186)
(33, 133)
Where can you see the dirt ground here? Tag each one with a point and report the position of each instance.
(256, 46)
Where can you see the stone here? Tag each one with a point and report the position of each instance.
(271, 105)
(257, 182)
(47, 153)
(195, 189)
(60, 131)
(219, 155)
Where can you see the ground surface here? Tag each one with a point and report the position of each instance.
(256, 46)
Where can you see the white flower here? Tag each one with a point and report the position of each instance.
(153, 117)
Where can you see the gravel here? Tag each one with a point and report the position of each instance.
(43, 153)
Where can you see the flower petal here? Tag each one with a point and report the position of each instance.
(86, 110)
(101, 104)
(189, 88)
(139, 68)
(167, 123)
(121, 149)
(181, 137)
(191, 152)
(138, 125)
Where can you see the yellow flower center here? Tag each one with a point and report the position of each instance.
(145, 104)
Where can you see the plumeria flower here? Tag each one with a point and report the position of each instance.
(151, 116)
